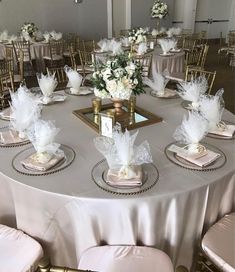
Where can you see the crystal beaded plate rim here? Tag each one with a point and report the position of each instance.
(153, 94)
(67, 91)
(217, 164)
(150, 176)
(70, 155)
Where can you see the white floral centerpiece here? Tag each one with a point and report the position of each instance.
(29, 30)
(118, 78)
(137, 35)
(159, 9)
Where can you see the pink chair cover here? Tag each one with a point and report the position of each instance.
(125, 259)
(18, 251)
(219, 243)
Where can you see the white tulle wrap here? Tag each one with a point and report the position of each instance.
(42, 135)
(46, 36)
(167, 44)
(121, 153)
(47, 84)
(211, 107)
(159, 82)
(75, 79)
(173, 31)
(25, 110)
(192, 90)
(142, 48)
(104, 45)
(56, 35)
(115, 47)
(191, 131)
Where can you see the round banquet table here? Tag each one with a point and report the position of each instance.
(68, 213)
(173, 63)
(38, 50)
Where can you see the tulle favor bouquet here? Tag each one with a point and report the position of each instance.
(167, 45)
(47, 84)
(48, 153)
(124, 158)
(75, 80)
(192, 90)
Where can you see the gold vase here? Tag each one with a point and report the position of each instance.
(117, 104)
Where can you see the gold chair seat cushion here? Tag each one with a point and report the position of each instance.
(219, 243)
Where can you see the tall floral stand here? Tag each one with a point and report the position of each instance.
(158, 24)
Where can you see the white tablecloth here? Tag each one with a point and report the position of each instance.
(173, 63)
(68, 213)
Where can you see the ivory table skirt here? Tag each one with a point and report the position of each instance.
(173, 63)
(68, 213)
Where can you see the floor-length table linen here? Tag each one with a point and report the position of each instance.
(173, 63)
(68, 213)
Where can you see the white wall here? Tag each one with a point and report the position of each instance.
(119, 16)
(217, 10)
(86, 19)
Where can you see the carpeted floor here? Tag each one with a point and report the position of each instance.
(225, 76)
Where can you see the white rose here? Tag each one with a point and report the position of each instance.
(111, 85)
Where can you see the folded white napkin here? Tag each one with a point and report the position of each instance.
(114, 180)
(6, 114)
(10, 137)
(228, 131)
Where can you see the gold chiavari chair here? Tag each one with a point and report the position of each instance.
(231, 39)
(146, 62)
(23, 47)
(56, 50)
(9, 53)
(60, 76)
(87, 66)
(88, 45)
(6, 84)
(192, 73)
(193, 57)
(45, 266)
(189, 44)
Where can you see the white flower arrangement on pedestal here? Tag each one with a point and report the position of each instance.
(118, 78)
(137, 35)
(159, 9)
(29, 29)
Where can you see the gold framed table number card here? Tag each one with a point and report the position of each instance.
(106, 125)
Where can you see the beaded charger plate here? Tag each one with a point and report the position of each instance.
(216, 136)
(168, 94)
(82, 91)
(20, 143)
(99, 176)
(218, 163)
(22, 155)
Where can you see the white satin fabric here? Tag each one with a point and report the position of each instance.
(18, 251)
(219, 243)
(68, 213)
(173, 63)
(125, 259)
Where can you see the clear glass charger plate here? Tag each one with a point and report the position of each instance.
(64, 163)
(85, 90)
(21, 143)
(169, 94)
(221, 137)
(99, 176)
(55, 98)
(220, 162)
